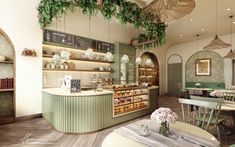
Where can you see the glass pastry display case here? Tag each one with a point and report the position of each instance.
(129, 99)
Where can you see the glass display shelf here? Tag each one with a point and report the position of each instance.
(129, 100)
(78, 70)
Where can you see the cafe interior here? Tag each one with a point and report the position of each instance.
(111, 73)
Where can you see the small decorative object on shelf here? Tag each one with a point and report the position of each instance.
(7, 83)
(148, 62)
(89, 54)
(65, 55)
(75, 85)
(108, 57)
(29, 52)
(164, 116)
(66, 82)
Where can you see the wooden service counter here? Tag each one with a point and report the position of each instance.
(90, 111)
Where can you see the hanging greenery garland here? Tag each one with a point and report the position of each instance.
(123, 10)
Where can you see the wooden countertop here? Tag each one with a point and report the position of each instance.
(62, 92)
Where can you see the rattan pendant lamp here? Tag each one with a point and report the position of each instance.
(231, 53)
(169, 10)
(217, 43)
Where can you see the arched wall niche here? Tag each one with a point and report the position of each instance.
(155, 69)
(7, 80)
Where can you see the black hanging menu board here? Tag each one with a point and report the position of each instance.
(104, 46)
(75, 86)
(76, 41)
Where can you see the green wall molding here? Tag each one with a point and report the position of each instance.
(212, 85)
(217, 68)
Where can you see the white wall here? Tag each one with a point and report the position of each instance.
(185, 50)
(19, 21)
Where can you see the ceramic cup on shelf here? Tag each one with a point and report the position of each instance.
(66, 65)
(48, 65)
(62, 66)
(101, 68)
(53, 66)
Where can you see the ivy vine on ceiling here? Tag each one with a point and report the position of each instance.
(123, 10)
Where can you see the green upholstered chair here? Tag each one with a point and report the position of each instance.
(205, 113)
(232, 145)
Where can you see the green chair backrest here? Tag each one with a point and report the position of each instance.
(203, 110)
(229, 96)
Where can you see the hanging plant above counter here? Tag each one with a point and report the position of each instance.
(124, 11)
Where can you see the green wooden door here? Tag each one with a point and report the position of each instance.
(174, 77)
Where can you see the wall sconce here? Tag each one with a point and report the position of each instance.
(29, 52)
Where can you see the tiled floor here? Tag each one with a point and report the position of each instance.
(42, 132)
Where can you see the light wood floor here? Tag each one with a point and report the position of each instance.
(42, 134)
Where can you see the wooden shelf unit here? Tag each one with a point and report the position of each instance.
(80, 59)
(148, 74)
(78, 70)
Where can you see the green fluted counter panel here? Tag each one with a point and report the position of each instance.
(82, 114)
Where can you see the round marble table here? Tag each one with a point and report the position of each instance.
(116, 140)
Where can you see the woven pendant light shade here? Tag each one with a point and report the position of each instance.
(169, 10)
(217, 43)
(230, 54)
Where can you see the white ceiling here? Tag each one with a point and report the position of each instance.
(204, 17)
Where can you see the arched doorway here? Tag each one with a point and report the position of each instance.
(174, 74)
(149, 69)
(7, 79)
